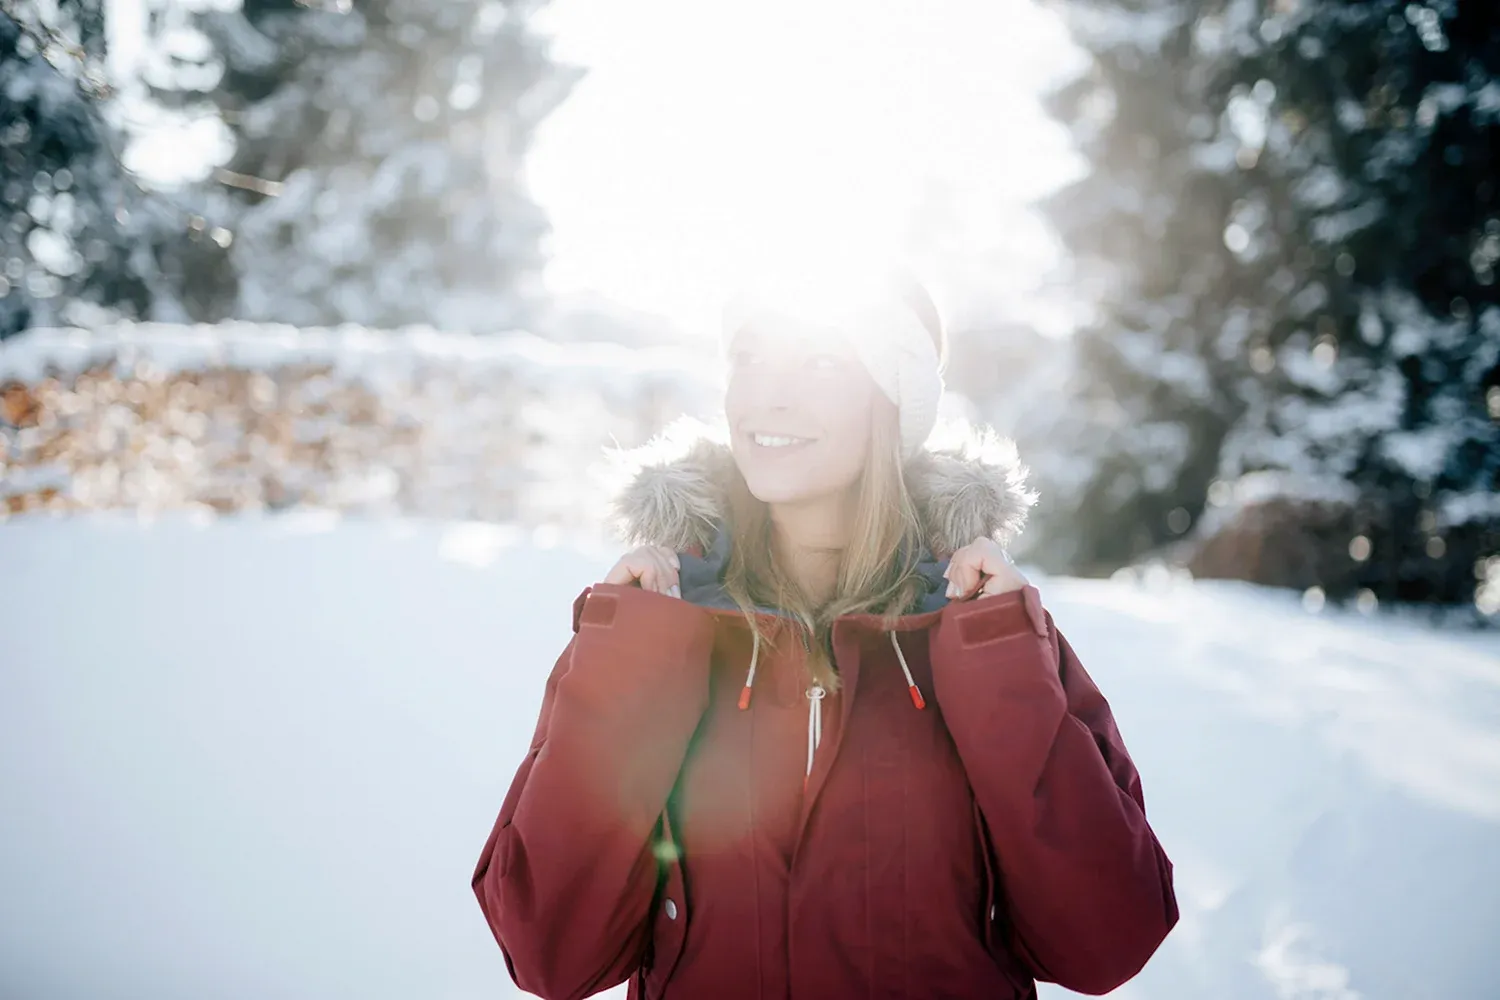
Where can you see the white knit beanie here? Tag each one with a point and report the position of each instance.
(891, 327)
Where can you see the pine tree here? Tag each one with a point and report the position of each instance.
(70, 237)
(1130, 452)
(1383, 137)
(1293, 204)
(376, 174)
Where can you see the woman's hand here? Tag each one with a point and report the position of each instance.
(651, 567)
(982, 569)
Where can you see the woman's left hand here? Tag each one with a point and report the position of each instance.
(982, 569)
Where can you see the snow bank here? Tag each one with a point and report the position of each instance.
(349, 351)
(240, 416)
(258, 757)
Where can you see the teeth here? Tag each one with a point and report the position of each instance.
(767, 441)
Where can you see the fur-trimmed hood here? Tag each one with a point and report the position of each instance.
(967, 482)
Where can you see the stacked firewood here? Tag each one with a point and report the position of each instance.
(157, 418)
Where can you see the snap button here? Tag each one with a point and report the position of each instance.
(671, 909)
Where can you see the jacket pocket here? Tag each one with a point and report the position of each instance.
(990, 913)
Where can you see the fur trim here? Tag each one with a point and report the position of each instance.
(967, 483)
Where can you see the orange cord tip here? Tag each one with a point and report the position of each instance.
(916, 698)
(744, 697)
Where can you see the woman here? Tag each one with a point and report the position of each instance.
(818, 737)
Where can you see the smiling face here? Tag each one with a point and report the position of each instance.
(799, 408)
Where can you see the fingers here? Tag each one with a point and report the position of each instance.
(981, 568)
(963, 574)
(670, 583)
(658, 570)
(654, 568)
(1003, 582)
(660, 576)
(1004, 577)
(965, 571)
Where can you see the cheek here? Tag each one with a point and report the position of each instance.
(846, 417)
(735, 402)
(843, 413)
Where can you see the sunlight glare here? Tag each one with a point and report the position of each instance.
(710, 141)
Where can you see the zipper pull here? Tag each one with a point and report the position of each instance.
(815, 696)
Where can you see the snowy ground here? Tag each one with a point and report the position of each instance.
(258, 758)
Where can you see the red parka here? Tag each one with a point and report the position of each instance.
(661, 833)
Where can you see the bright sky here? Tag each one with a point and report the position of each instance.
(708, 138)
(711, 137)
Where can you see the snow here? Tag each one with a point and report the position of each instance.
(1421, 453)
(1320, 188)
(354, 352)
(349, 349)
(1467, 508)
(258, 757)
(1216, 157)
(1144, 351)
(1338, 227)
(427, 423)
(1487, 101)
(1351, 115)
(1101, 28)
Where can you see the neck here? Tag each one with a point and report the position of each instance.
(810, 538)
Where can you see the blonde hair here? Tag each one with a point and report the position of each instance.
(877, 571)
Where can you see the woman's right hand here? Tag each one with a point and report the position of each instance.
(650, 567)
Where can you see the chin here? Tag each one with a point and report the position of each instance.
(789, 486)
(774, 490)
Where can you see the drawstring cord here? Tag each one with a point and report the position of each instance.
(816, 693)
(911, 685)
(750, 677)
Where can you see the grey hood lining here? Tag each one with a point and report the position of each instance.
(702, 580)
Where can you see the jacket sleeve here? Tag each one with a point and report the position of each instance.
(568, 874)
(1087, 886)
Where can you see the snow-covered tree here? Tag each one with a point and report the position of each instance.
(69, 236)
(376, 174)
(1127, 455)
(1292, 228)
(1382, 142)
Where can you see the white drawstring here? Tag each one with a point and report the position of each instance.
(750, 677)
(911, 684)
(815, 696)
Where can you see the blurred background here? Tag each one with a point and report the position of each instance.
(319, 318)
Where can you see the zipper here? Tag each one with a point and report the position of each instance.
(815, 696)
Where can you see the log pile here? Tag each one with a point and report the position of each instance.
(156, 418)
